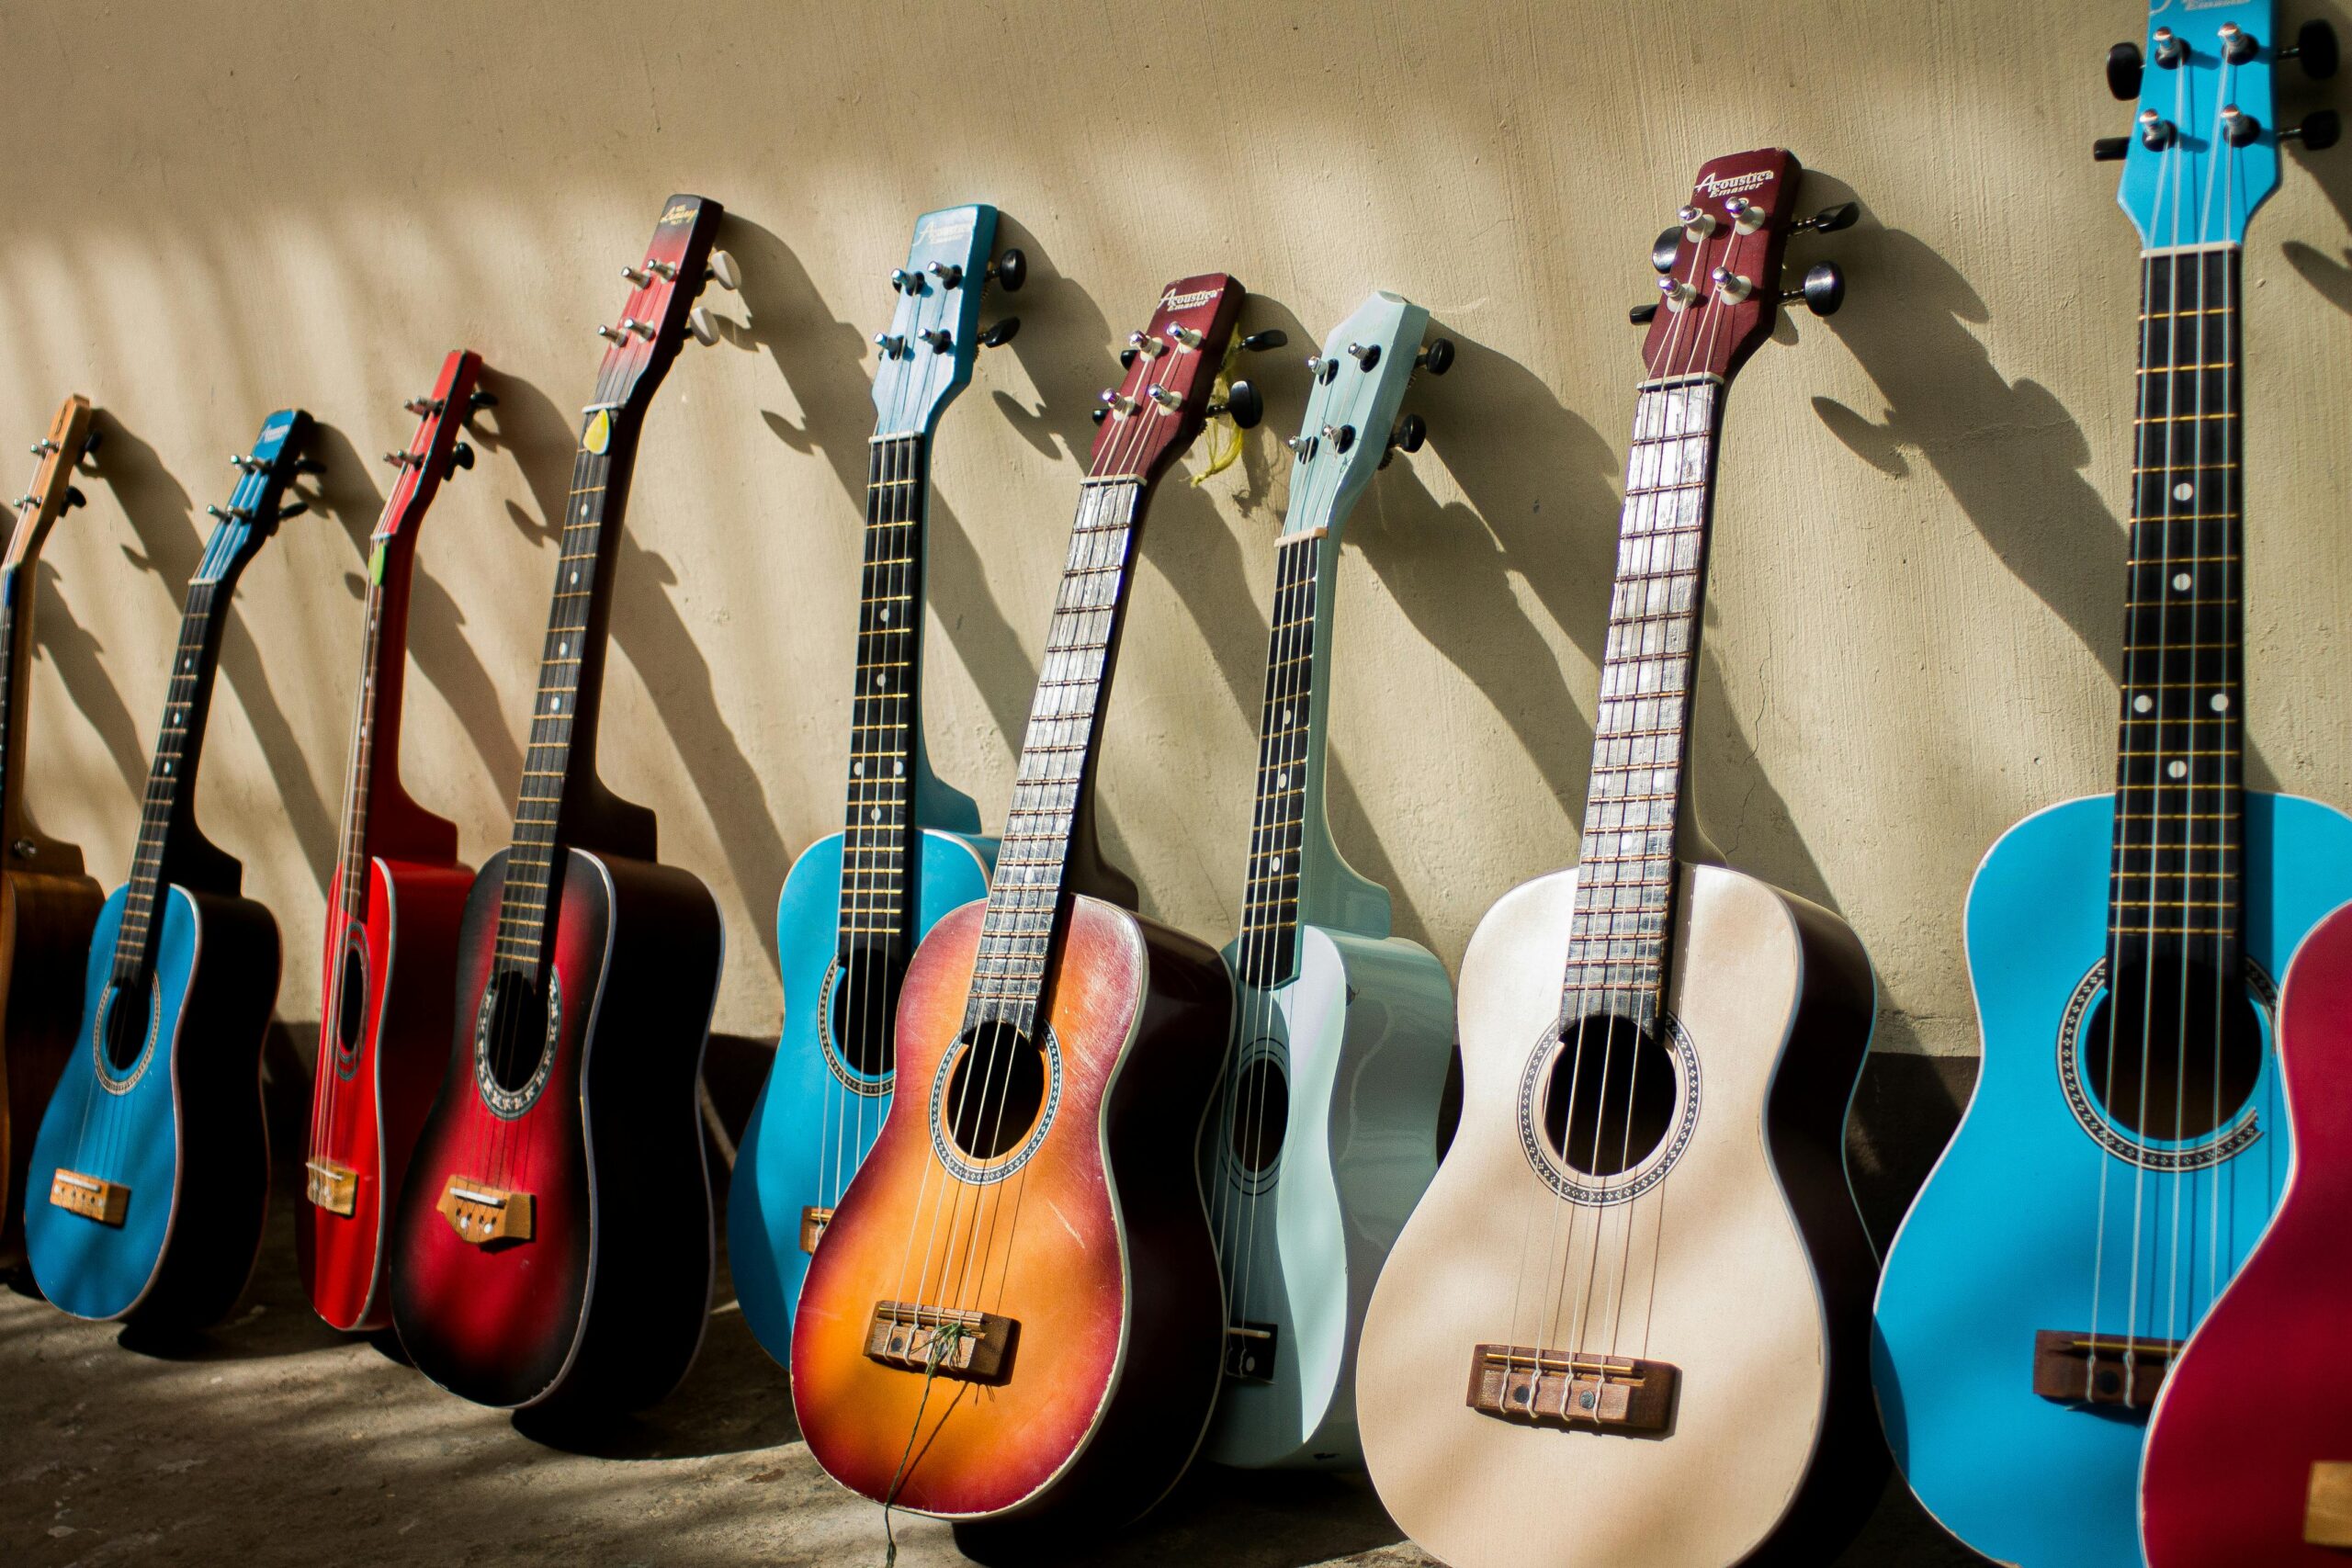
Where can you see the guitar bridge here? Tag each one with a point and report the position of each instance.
(974, 1346)
(813, 1222)
(89, 1196)
(1560, 1388)
(1250, 1351)
(483, 1214)
(331, 1186)
(2076, 1369)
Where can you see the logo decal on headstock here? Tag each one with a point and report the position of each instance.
(1172, 301)
(679, 213)
(1737, 184)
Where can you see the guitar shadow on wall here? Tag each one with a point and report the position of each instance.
(437, 640)
(647, 627)
(2329, 273)
(79, 658)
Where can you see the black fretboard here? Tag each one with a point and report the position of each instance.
(1269, 953)
(878, 824)
(2175, 879)
(170, 776)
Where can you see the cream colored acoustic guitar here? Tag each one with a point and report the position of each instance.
(1626, 1327)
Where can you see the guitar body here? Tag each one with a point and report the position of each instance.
(2005, 1240)
(45, 924)
(602, 1309)
(1360, 1038)
(1107, 1266)
(2259, 1405)
(179, 1125)
(819, 1113)
(393, 972)
(1747, 1270)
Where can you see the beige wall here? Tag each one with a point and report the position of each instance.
(221, 210)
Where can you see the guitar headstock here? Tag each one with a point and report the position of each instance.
(1172, 366)
(435, 453)
(655, 318)
(1719, 266)
(2203, 153)
(934, 335)
(1351, 428)
(258, 504)
(53, 494)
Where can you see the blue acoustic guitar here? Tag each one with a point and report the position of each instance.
(1326, 1131)
(858, 901)
(2126, 1142)
(150, 1172)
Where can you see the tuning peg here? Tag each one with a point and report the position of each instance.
(1340, 437)
(1829, 220)
(2238, 46)
(2314, 50)
(460, 457)
(1127, 359)
(2319, 131)
(1365, 355)
(1730, 286)
(1143, 344)
(1186, 337)
(478, 399)
(2124, 68)
(401, 459)
(1114, 402)
(1410, 431)
(242, 462)
(2110, 149)
(1745, 216)
(2156, 131)
(1438, 357)
(1169, 400)
(309, 466)
(73, 497)
(1011, 270)
(230, 514)
(421, 406)
(721, 269)
(44, 447)
(90, 442)
(1001, 333)
(292, 508)
(940, 339)
(2238, 128)
(23, 500)
(1665, 249)
(1260, 343)
(666, 271)
(1642, 315)
(611, 335)
(948, 274)
(1695, 223)
(1099, 415)
(892, 345)
(1822, 291)
(635, 279)
(905, 282)
(1242, 405)
(705, 327)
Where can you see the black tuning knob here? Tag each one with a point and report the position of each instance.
(2320, 129)
(1438, 358)
(309, 466)
(292, 508)
(1127, 358)
(478, 399)
(2314, 50)
(1824, 289)
(2124, 68)
(1665, 248)
(2110, 149)
(1012, 270)
(74, 498)
(1829, 220)
(460, 457)
(1643, 315)
(90, 442)
(1244, 405)
(1411, 431)
(1001, 333)
(1258, 342)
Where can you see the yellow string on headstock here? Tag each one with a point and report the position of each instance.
(1219, 392)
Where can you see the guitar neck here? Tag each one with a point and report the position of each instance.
(886, 715)
(376, 731)
(1289, 767)
(1620, 930)
(2176, 878)
(16, 638)
(170, 777)
(1055, 777)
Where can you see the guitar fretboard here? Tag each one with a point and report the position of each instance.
(1620, 930)
(878, 817)
(15, 583)
(351, 851)
(1057, 753)
(1278, 827)
(2176, 878)
(170, 776)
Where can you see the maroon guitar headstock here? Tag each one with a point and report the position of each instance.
(662, 289)
(435, 452)
(1172, 366)
(1719, 268)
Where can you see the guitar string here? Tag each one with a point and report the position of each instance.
(2231, 720)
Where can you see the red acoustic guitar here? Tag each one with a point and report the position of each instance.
(2249, 1455)
(1016, 1309)
(392, 915)
(553, 1245)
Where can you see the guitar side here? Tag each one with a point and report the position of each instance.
(796, 1152)
(180, 1128)
(2259, 1407)
(1362, 1037)
(2005, 1239)
(45, 926)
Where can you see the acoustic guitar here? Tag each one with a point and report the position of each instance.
(2127, 1140)
(1326, 1131)
(552, 1245)
(909, 849)
(393, 912)
(1625, 1326)
(47, 904)
(1016, 1309)
(151, 1173)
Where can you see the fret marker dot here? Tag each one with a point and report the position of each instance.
(575, 578)
(2143, 703)
(2177, 769)
(555, 703)
(874, 814)
(2181, 581)
(1286, 712)
(857, 770)
(897, 769)
(884, 616)
(881, 683)
(2183, 491)
(1281, 780)
(2221, 702)
(562, 649)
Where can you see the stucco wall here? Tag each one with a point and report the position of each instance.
(217, 211)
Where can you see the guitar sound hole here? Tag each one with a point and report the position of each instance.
(994, 1092)
(125, 1029)
(515, 1029)
(352, 1002)
(2187, 1050)
(866, 995)
(1260, 1115)
(1610, 1096)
